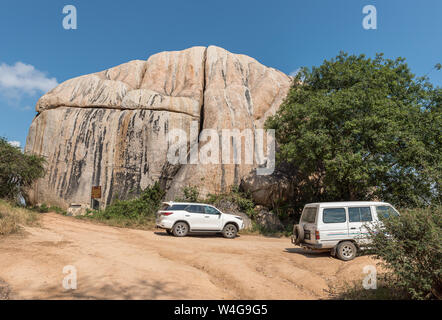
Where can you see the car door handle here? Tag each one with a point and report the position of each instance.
(187, 215)
(353, 228)
(207, 216)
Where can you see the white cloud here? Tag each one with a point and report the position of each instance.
(15, 143)
(26, 108)
(22, 78)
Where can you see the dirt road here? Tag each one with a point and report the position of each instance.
(115, 263)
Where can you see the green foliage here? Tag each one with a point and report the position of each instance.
(241, 199)
(43, 208)
(17, 170)
(355, 291)
(410, 248)
(57, 210)
(357, 128)
(191, 194)
(133, 211)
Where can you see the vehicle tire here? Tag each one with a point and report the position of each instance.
(299, 234)
(346, 250)
(169, 232)
(230, 231)
(180, 229)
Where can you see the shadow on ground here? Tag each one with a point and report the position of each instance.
(144, 289)
(194, 235)
(307, 253)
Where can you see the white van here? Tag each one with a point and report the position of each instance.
(338, 226)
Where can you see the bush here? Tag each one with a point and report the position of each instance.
(17, 170)
(355, 291)
(410, 248)
(43, 208)
(191, 194)
(241, 199)
(134, 211)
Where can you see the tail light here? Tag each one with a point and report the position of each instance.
(166, 213)
(317, 237)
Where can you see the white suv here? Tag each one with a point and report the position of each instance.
(180, 218)
(340, 227)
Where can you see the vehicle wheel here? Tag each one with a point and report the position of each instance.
(169, 232)
(346, 251)
(298, 233)
(230, 231)
(180, 229)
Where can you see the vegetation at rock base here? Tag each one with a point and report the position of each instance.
(43, 208)
(138, 212)
(357, 128)
(13, 218)
(17, 171)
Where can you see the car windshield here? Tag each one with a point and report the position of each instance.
(386, 212)
(309, 215)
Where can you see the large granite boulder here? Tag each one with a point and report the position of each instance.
(240, 93)
(110, 128)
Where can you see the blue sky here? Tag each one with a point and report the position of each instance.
(36, 52)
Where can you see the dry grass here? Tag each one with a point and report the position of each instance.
(355, 291)
(13, 218)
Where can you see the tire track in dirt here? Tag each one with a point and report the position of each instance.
(117, 263)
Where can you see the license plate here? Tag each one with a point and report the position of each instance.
(307, 236)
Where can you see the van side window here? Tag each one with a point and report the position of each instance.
(334, 215)
(359, 214)
(385, 212)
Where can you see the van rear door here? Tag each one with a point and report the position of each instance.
(308, 222)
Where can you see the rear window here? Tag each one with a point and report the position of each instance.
(386, 212)
(309, 215)
(359, 214)
(334, 215)
(177, 207)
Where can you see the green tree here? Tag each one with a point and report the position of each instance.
(357, 128)
(17, 170)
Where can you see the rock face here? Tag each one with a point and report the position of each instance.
(268, 190)
(111, 128)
